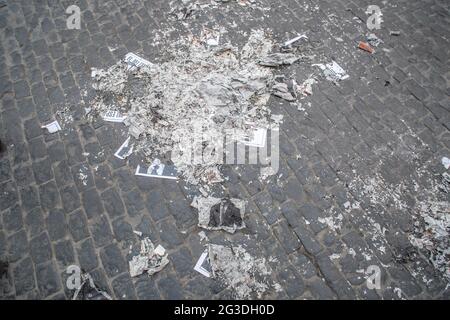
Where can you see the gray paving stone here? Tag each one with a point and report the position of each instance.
(40, 248)
(24, 277)
(17, 246)
(47, 279)
(287, 237)
(92, 203)
(42, 171)
(78, 225)
(113, 203)
(123, 287)
(146, 289)
(87, 256)
(64, 253)
(70, 198)
(12, 219)
(34, 222)
(101, 231)
(49, 195)
(170, 289)
(56, 224)
(112, 260)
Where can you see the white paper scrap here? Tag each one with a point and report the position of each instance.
(125, 150)
(134, 61)
(446, 162)
(52, 127)
(113, 116)
(202, 264)
(158, 170)
(289, 42)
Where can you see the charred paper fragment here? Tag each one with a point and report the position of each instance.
(203, 266)
(157, 170)
(220, 213)
(278, 59)
(89, 291)
(125, 150)
(52, 127)
(150, 259)
(281, 90)
(113, 116)
(333, 71)
(183, 9)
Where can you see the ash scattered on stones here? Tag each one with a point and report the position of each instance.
(248, 276)
(217, 89)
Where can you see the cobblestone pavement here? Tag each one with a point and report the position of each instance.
(354, 164)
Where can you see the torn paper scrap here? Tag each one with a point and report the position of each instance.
(202, 266)
(289, 42)
(278, 59)
(125, 150)
(220, 213)
(52, 127)
(333, 71)
(157, 170)
(306, 87)
(446, 162)
(257, 138)
(113, 116)
(134, 61)
(89, 291)
(149, 259)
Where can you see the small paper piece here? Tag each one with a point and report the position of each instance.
(202, 266)
(113, 116)
(149, 259)
(157, 170)
(52, 127)
(256, 139)
(134, 61)
(333, 71)
(89, 291)
(220, 213)
(125, 150)
(446, 162)
(289, 42)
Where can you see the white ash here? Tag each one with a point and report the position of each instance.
(217, 90)
(246, 275)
